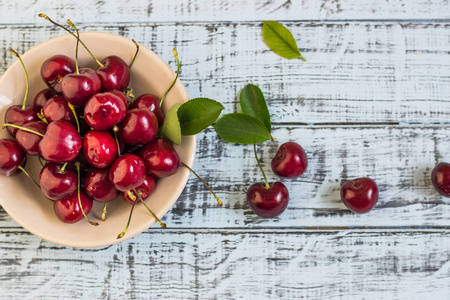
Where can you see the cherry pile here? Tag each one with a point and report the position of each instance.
(95, 141)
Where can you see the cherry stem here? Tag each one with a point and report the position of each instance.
(40, 161)
(128, 223)
(163, 225)
(115, 129)
(28, 175)
(77, 164)
(26, 76)
(175, 53)
(21, 128)
(199, 178)
(72, 108)
(135, 54)
(259, 164)
(272, 138)
(76, 47)
(63, 168)
(42, 117)
(104, 211)
(130, 94)
(85, 47)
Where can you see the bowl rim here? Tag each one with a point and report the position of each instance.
(137, 228)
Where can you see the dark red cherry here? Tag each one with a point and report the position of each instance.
(161, 159)
(121, 95)
(57, 184)
(290, 160)
(11, 157)
(440, 177)
(61, 142)
(151, 102)
(42, 97)
(144, 190)
(268, 202)
(57, 109)
(103, 111)
(78, 88)
(359, 195)
(115, 74)
(139, 126)
(30, 141)
(68, 210)
(55, 68)
(98, 186)
(18, 116)
(127, 172)
(99, 148)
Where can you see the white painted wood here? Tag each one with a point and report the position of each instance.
(26, 11)
(284, 264)
(356, 73)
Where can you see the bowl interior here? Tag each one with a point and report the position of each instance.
(26, 204)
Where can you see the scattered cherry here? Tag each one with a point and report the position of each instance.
(290, 160)
(440, 177)
(268, 202)
(359, 195)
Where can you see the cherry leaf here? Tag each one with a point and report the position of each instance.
(171, 129)
(197, 114)
(241, 128)
(253, 103)
(280, 40)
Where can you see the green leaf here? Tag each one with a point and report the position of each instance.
(280, 40)
(197, 114)
(241, 129)
(171, 128)
(253, 103)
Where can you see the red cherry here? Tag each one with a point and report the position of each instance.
(290, 160)
(115, 74)
(98, 186)
(57, 109)
(127, 172)
(145, 189)
(30, 141)
(55, 68)
(440, 177)
(359, 195)
(161, 159)
(11, 157)
(78, 88)
(42, 97)
(18, 116)
(139, 126)
(68, 210)
(151, 102)
(103, 111)
(57, 184)
(61, 142)
(268, 202)
(99, 148)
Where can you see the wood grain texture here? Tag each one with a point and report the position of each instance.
(399, 159)
(356, 72)
(221, 10)
(281, 264)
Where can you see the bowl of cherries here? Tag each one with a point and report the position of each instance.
(81, 117)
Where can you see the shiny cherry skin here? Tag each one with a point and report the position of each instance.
(61, 142)
(18, 116)
(440, 177)
(151, 102)
(359, 195)
(139, 126)
(99, 148)
(290, 160)
(68, 209)
(42, 97)
(54, 69)
(30, 141)
(78, 88)
(115, 74)
(98, 186)
(57, 184)
(11, 157)
(161, 159)
(57, 109)
(144, 190)
(127, 172)
(121, 95)
(268, 202)
(104, 110)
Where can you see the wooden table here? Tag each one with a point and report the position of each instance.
(372, 100)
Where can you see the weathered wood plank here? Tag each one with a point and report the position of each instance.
(399, 159)
(221, 10)
(282, 264)
(356, 73)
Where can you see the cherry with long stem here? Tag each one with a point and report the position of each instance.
(29, 176)
(260, 167)
(77, 164)
(26, 76)
(76, 47)
(175, 53)
(163, 225)
(199, 178)
(135, 54)
(42, 15)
